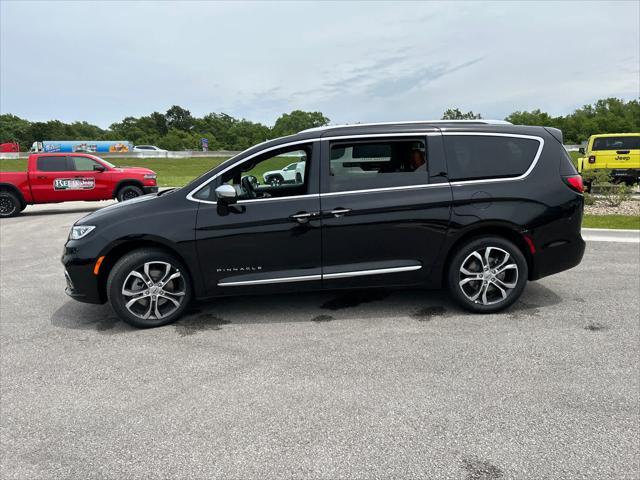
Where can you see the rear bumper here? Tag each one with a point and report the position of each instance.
(557, 257)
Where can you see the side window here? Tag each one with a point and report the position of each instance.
(371, 164)
(476, 157)
(279, 173)
(83, 164)
(52, 164)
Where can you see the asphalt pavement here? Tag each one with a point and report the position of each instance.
(363, 384)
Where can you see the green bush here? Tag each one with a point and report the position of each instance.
(589, 199)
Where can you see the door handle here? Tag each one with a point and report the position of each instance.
(339, 212)
(41, 177)
(304, 217)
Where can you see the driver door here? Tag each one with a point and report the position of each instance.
(270, 240)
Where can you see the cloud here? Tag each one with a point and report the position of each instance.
(353, 61)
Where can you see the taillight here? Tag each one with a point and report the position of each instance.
(592, 159)
(574, 182)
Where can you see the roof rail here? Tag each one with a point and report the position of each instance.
(483, 121)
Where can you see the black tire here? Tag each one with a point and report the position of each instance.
(128, 192)
(10, 204)
(121, 276)
(298, 177)
(275, 180)
(489, 283)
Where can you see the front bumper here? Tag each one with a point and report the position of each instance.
(148, 190)
(81, 284)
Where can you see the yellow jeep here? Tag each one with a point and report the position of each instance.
(618, 152)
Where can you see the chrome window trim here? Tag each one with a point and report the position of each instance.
(329, 276)
(491, 134)
(226, 169)
(385, 189)
(253, 200)
(381, 189)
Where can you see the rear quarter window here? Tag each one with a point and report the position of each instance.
(477, 157)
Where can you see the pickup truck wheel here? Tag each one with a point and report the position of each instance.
(10, 206)
(128, 192)
(149, 288)
(487, 274)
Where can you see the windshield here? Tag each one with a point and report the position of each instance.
(108, 164)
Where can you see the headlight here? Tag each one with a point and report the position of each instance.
(80, 231)
(150, 176)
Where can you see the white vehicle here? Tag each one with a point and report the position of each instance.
(147, 148)
(292, 173)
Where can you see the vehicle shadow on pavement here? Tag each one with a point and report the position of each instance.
(317, 307)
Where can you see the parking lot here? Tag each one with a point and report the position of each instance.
(365, 384)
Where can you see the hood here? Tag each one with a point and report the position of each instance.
(138, 170)
(118, 209)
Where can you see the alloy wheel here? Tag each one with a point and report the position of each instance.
(7, 206)
(129, 194)
(488, 275)
(154, 290)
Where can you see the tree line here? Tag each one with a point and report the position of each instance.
(178, 129)
(608, 115)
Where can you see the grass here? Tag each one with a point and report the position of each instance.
(173, 172)
(178, 172)
(628, 222)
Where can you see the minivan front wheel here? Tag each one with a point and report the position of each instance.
(487, 274)
(149, 288)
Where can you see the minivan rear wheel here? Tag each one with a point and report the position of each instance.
(149, 288)
(487, 274)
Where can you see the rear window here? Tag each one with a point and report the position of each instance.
(476, 157)
(616, 143)
(52, 164)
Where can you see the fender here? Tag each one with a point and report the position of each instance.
(116, 249)
(122, 183)
(13, 189)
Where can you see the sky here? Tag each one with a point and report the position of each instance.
(353, 61)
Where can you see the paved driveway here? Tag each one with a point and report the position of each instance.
(368, 384)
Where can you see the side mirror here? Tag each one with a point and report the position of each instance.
(581, 150)
(99, 168)
(226, 194)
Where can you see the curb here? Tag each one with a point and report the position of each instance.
(610, 235)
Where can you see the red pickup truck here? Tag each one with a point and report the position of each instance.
(66, 177)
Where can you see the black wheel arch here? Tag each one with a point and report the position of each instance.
(497, 229)
(118, 249)
(125, 183)
(8, 187)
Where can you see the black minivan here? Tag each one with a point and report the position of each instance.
(477, 206)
